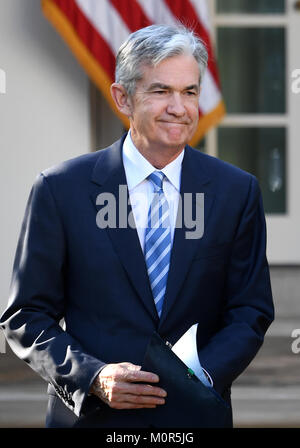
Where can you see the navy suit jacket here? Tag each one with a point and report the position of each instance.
(66, 267)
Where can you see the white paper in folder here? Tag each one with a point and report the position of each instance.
(186, 349)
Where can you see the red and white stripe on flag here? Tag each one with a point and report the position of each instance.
(95, 29)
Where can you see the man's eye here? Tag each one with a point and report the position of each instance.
(191, 92)
(160, 92)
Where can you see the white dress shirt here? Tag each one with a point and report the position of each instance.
(141, 191)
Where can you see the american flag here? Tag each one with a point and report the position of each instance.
(95, 29)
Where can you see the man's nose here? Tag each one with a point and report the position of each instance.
(176, 105)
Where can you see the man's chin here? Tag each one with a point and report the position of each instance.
(177, 142)
(179, 138)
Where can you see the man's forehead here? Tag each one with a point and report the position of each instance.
(171, 69)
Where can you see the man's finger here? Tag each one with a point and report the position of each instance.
(138, 389)
(128, 372)
(140, 399)
(140, 375)
(131, 366)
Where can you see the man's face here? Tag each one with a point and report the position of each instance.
(164, 108)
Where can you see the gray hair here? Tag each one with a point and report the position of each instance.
(153, 44)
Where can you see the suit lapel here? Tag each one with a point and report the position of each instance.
(108, 176)
(193, 180)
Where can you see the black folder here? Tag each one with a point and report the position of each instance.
(189, 403)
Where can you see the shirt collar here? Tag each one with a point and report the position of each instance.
(137, 168)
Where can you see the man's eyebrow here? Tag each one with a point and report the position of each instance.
(192, 87)
(158, 85)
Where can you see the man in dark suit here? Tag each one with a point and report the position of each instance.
(80, 261)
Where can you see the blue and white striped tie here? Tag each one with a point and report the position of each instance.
(158, 241)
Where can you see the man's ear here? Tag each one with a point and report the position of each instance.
(121, 98)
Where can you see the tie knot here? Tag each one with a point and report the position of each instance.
(157, 178)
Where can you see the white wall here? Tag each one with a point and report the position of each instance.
(44, 114)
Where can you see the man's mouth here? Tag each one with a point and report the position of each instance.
(174, 122)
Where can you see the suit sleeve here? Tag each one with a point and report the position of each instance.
(36, 303)
(248, 305)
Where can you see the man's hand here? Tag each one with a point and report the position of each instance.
(115, 385)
